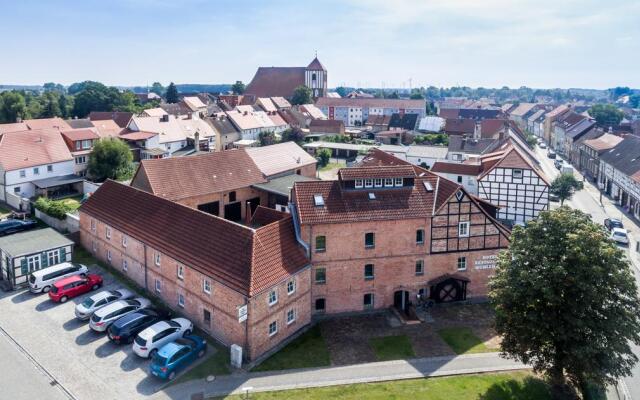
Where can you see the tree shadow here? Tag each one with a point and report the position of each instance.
(529, 388)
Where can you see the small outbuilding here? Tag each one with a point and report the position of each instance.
(23, 253)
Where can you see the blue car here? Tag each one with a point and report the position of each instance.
(176, 355)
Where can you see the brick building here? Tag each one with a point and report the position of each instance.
(205, 267)
(379, 236)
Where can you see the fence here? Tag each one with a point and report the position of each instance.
(17, 202)
(70, 224)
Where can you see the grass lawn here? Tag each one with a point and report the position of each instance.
(505, 386)
(392, 348)
(463, 341)
(308, 350)
(4, 211)
(72, 202)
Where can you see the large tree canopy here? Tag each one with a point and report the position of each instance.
(566, 301)
(238, 87)
(110, 159)
(564, 186)
(301, 95)
(171, 95)
(606, 115)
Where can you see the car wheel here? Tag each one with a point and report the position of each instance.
(63, 299)
(172, 375)
(95, 287)
(200, 353)
(153, 353)
(46, 289)
(187, 333)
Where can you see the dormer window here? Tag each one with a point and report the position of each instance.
(358, 183)
(368, 183)
(398, 182)
(378, 182)
(388, 182)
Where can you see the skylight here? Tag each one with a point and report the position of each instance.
(428, 186)
(372, 196)
(318, 200)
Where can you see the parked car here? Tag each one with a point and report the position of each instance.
(125, 329)
(85, 309)
(105, 316)
(558, 163)
(73, 286)
(157, 335)
(42, 280)
(611, 223)
(554, 197)
(619, 235)
(551, 154)
(542, 145)
(176, 355)
(9, 226)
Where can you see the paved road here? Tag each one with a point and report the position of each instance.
(359, 373)
(22, 378)
(588, 200)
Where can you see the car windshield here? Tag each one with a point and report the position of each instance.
(54, 289)
(88, 302)
(114, 293)
(623, 234)
(174, 324)
(95, 318)
(133, 302)
(32, 279)
(158, 359)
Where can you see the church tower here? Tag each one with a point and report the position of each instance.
(315, 77)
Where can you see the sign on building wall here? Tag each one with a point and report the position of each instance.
(242, 313)
(486, 262)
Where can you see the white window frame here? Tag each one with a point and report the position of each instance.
(521, 173)
(206, 286)
(421, 263)
(36, 171)
(273, 324)
(180, 300)
(158, 286)
(124, 241)
(109, 255)
(180, 271)
(93, 224)
(107, 232)
(378, 182)
(397, 182)
(368, 183)
(463, 229)
(125, 265)
(423, 234)
(462, 259)
(52, 256)
(291, 287)
(291, 316)
(388, 182)
(34, 262)
(23, 173)
(157, 258)
(273, 297)
(358, 184)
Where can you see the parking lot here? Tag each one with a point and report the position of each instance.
(86, 363)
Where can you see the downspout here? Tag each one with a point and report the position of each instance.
(296, 228)
(146, 287)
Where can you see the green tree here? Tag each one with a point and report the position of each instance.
(564, 186)
(293, 135)
(12, 106)
(110, 159)
(53, 87)
(301, 95)
(606, 115)
(532, 140)
(171, 95)
(50, 105)
(94, 96)
(157, 88)
(634, 101)
(342, 91)
(566, 302)
(127, 101)
(417, 94)
(65, 103)
(323, 156)
(238, 88)
(394, 95)
(266, 138)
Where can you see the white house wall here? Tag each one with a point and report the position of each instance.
(27, 189)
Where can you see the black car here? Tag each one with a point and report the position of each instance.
(611, 223)
(551, 154)
(9, 226)
(125, 329)
(558, 164)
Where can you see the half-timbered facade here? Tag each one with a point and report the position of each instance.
(516, 186)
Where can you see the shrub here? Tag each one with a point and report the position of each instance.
(57, 209)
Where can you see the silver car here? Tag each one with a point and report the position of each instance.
(105, 316)
(86, 309)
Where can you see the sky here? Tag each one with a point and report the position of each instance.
(362, 43)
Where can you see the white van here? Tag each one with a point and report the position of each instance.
(41, 280)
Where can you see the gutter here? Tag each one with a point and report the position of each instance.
(296, 228)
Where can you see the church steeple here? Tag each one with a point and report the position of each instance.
(315, 77)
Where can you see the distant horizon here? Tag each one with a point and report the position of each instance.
(362, 43)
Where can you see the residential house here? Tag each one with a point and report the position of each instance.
(620, 174)
(281, 159)
(431, 124)
(575, 135)
(121, 118)
(47, 123)
(107, 128)
(462, 147)
(591, 150)
(281, 103)
(549, 120)
(376, 122)
(34, 162)
(153, 112)
(15, 127)
(80, 143)
(355, 111)
(403, 121)
(520, 114)
(535, 123)
(245, 284)
(312, 111)
(79, 123)
(326, 126)
(561, 125)
(456, 126)
(381, 236)
(226, 132)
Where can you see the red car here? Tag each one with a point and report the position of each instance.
(73, 286)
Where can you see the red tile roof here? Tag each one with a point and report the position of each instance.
(456, 168)
(32, 148)
(376, 157)
(365, 102)
(395, 171)
(121, 118)
(449, 113)
(47, 123)
(275, 81)
(137, 135)
(604, 142)
(179, 178)
(490, 127)
(243, 259)
(80, 134)
(16, 127)
(459, 126)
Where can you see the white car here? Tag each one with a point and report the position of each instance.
(86, 309)
(620, 235)
(42, 280)
(150, 340)
(542, 145)
(105, 316)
